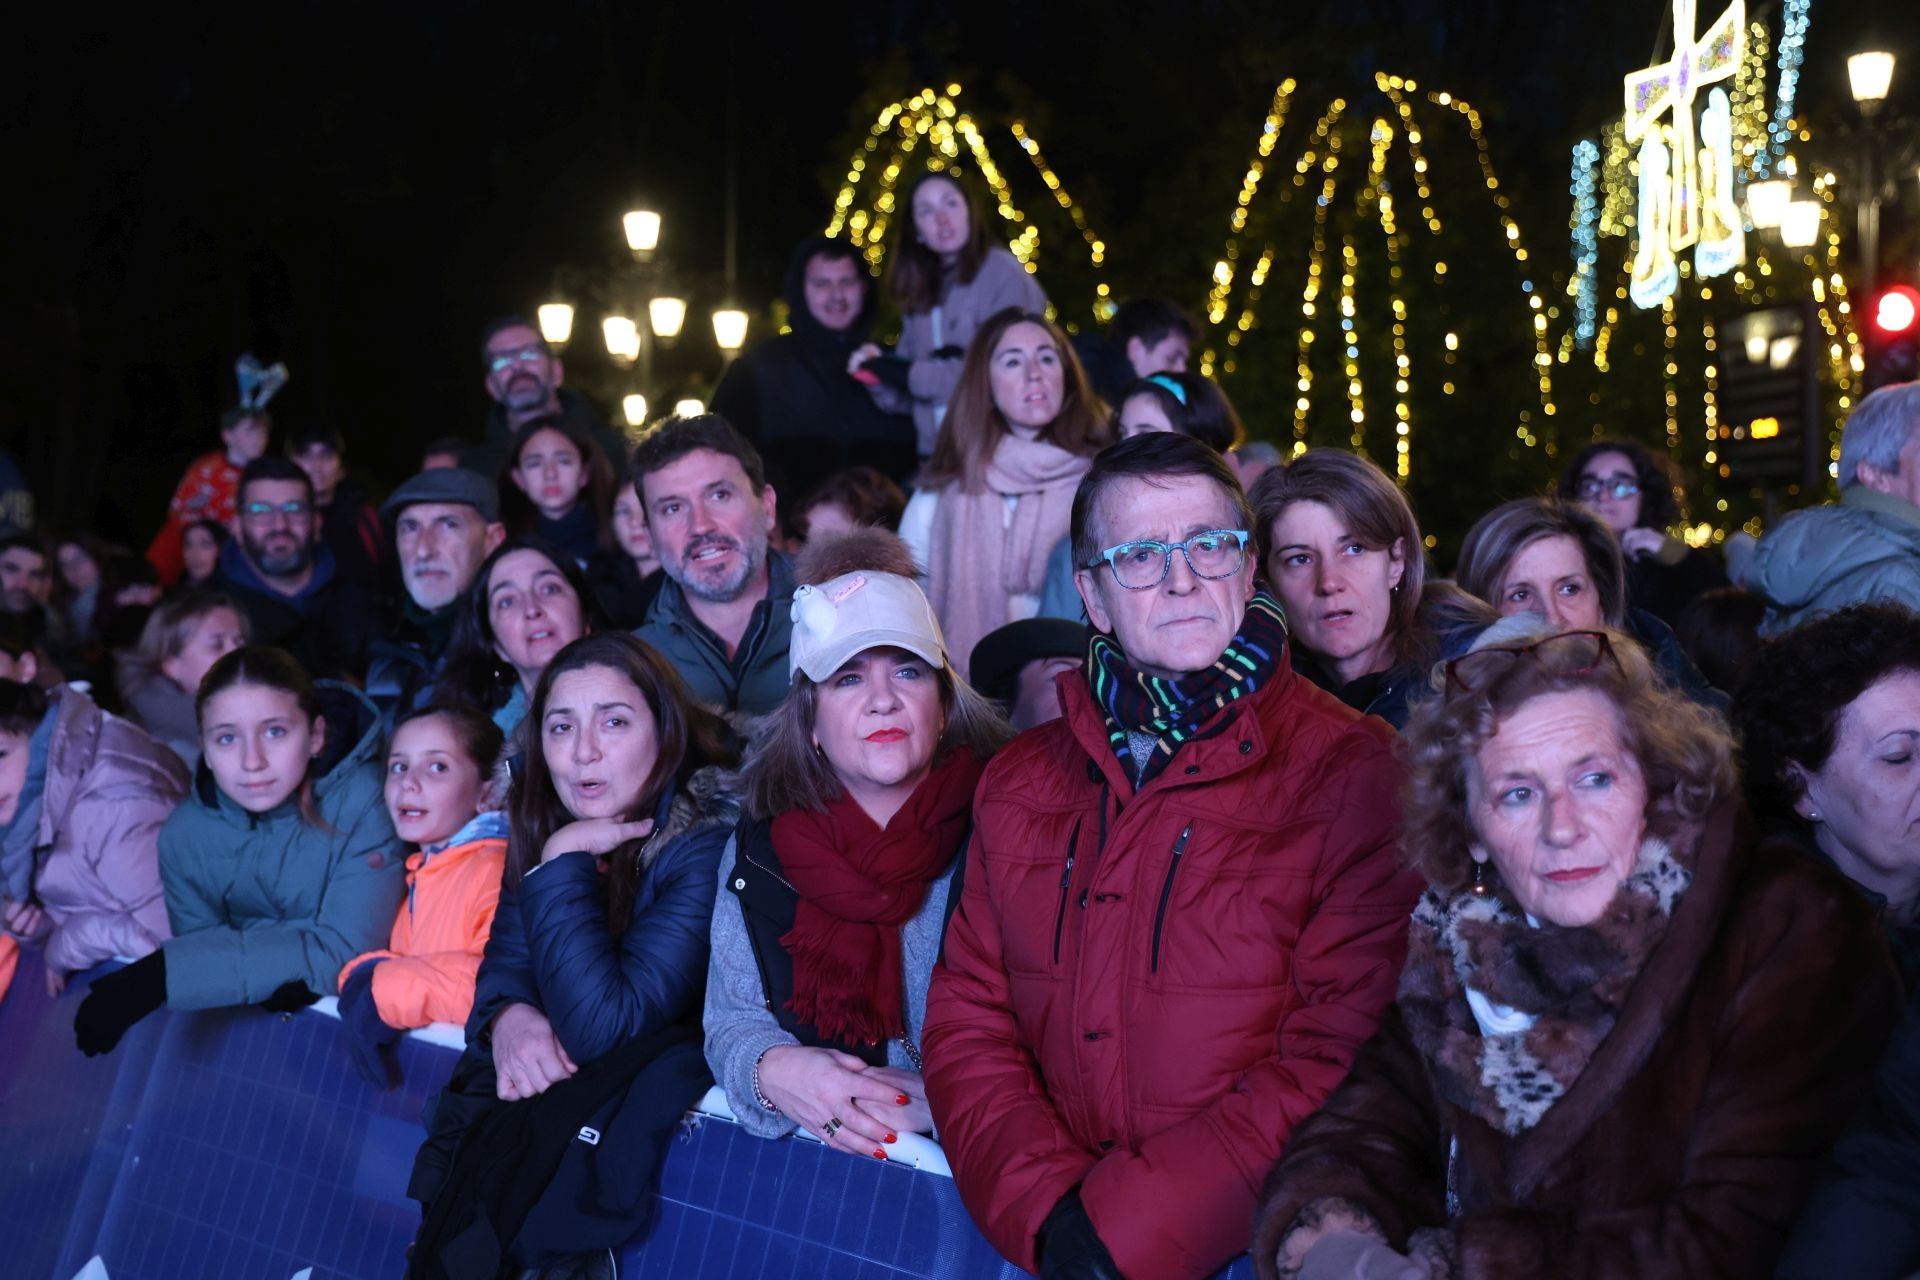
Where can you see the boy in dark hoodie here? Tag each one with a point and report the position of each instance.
(792, 396)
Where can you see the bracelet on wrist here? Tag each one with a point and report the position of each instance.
(758, 1096)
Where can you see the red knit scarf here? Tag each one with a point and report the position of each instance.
(858, 884)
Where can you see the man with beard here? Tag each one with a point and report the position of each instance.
(523, 377)
(26, 585)
(723, 616)
(26, 576)
(288, 582)
(791, 396)
(445, 522)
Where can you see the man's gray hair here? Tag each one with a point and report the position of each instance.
(1878, 430)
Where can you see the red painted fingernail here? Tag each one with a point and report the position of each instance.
(890, 1138)
(878, 1154)
(901, 1099)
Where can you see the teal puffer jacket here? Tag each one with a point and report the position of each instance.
(260, 900)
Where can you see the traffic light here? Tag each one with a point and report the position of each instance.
(1893, 336)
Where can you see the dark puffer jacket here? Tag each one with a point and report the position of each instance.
(1144, 992)
(793, 398)
(550, 947)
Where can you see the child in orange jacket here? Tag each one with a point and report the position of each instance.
(9, 960)
(439, 770)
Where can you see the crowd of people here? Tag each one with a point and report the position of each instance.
(984, 737)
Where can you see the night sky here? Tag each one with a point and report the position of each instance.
(358, 189)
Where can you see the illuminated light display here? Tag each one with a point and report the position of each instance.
(1397, 196)
(1686, 178)
(932, 120)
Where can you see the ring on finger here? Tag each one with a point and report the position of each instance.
(832, 1126)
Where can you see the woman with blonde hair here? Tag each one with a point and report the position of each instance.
(183, 637)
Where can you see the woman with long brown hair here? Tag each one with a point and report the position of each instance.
(557, 484)
(997, 493)
(599, 944)
(948, 277)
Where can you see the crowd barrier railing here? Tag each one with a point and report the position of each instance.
(239, 1144)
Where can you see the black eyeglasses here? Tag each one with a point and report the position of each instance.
(1616, 487)
(1138, 566)
(1569, 653)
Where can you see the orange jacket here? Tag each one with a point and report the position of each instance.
(441, 930)
(9, 958)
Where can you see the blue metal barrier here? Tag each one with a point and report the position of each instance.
(238, 1145)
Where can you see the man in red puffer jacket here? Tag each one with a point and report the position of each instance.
(1182, 912)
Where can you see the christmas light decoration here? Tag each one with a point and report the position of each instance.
(1781, 129)
(1686, 189)
(933, 120)
(1585, 285)
(1398, 183)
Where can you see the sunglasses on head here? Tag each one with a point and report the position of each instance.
(1568, 653)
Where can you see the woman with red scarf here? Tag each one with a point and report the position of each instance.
(835, 885)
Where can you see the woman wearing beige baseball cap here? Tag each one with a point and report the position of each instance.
(835, 885)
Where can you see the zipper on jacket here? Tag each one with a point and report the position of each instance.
(1166, 892)
(1066, 879)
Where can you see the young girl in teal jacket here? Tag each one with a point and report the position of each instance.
(279, 866)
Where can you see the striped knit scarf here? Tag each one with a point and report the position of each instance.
(1174, 711)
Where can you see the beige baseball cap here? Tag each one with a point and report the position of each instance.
(836, 620)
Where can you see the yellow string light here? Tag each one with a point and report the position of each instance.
(1381, 197)
(1710, 395)
(1103, 307)
(933, 119)
(1670, 369)
(1356, 390)
(1309, 304)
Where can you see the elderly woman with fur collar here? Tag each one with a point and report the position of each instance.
(1626, 1030)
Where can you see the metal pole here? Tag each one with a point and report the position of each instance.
(733, 166)
(1870, 217)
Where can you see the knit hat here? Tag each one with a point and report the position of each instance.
(844, 616)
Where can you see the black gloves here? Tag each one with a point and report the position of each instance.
(890, 369)
(1068, 1246)
(368, 1037)
(289, 997)
(117, 1000)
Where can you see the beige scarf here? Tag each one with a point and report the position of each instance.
(979, 557)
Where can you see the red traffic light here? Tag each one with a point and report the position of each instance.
(1897, 310)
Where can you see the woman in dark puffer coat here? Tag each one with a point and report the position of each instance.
(600, 940)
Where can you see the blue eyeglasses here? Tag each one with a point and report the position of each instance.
(1137, 566)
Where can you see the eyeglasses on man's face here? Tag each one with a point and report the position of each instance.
(261, 512)
(1137, 566)
(505, 360)
(1615, 487)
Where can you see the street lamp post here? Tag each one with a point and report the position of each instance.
(1800, 224)
(1870, 75)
